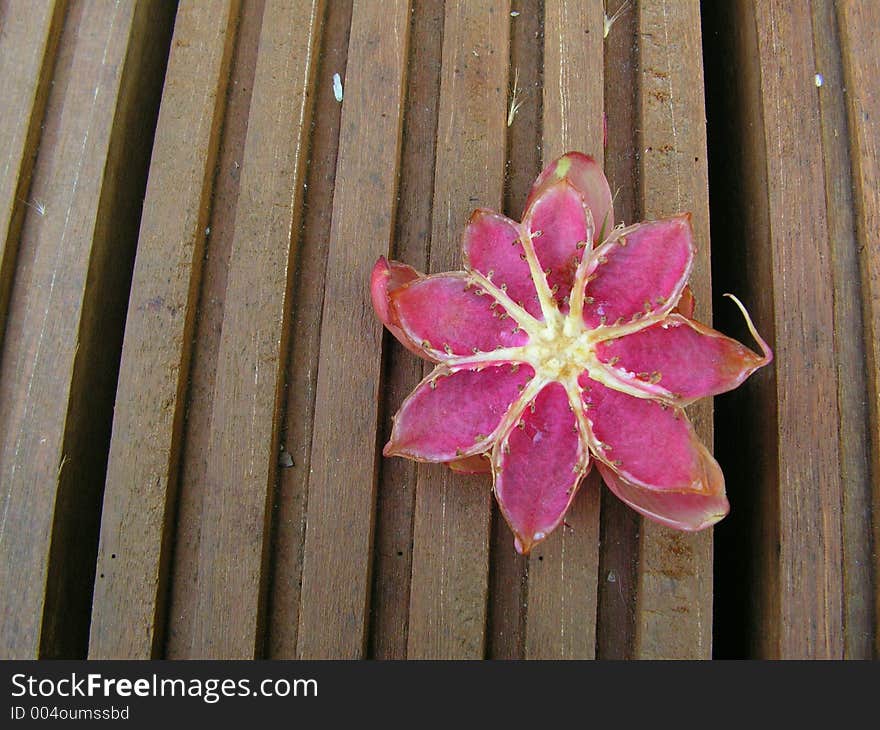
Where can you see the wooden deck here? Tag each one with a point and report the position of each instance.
(194, 390)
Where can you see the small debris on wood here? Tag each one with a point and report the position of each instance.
(337, 87)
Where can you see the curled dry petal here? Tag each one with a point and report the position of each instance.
(538, 462)
(454, 414)
(388, 277)
(560, 345)
(585, 175)
(476, 464)
(690, 511)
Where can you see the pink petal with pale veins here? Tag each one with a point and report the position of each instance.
(449, 316)
(643, 271)
(585, 175)
(388, 277)
(682, 358)
(557, 222)
(451, 415)
(648, 444)
(538, 463)
(682, 511)
(491, 246)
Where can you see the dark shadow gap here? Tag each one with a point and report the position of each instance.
(74, 548)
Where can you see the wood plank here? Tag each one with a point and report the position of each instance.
(184, 568)
(335, 594)
(453, 512)
(302, 370)
(243, 449)
(849, 345)
(508, 570)
(139, 497)
(809, 618)
(562, 592)
(28, 45)
(674, 609)
(785, 456)
(395, 499)
(66, 316)
(618, 554)
(858, 24)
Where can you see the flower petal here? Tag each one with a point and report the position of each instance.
(538, 462)
(448, 316)
(454, 414)
(680, 359)
(689, 511)
(561, 230)
(476, 464)
(491, 245)
(387, 277)
(687, 303)
(641, 270)
(648, 444)
(585, 175)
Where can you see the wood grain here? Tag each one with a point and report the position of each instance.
(781, 430)
(809, 622)
(243, 448)
(67, 309)
(395, 499)
(562, 587)
(302, 371)
(508, 570)
(618, 554)
(28, 45)
(140, 491)
(184, 568)
(333, 615)
(858, 21)
(849, 344)
(453, 512)
(674, 609)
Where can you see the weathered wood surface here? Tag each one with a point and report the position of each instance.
(28, 46)
(450, 571)
(792, 236)
(143, 465)
(333, 617)
(248, 511)
(860, 56)
(67, 307)
(674, 603)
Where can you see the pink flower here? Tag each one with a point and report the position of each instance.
(559, 347)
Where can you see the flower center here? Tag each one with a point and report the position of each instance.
(559, 354)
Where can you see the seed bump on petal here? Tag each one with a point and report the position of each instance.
(656, 377)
